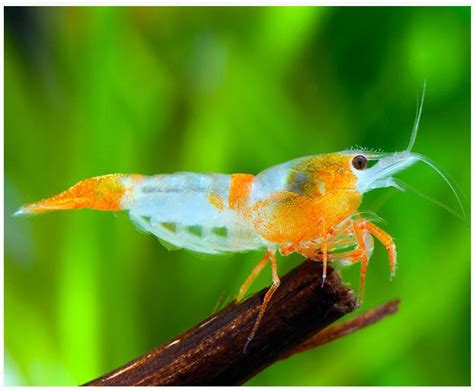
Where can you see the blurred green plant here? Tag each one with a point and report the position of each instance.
(91, 91)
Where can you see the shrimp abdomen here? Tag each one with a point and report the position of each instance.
(191, 211)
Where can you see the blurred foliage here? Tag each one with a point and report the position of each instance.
(91, 91)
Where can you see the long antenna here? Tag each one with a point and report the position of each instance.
(414, 132)
(428, 162)
(406, 186)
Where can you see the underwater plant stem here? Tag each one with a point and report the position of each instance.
(212, 352)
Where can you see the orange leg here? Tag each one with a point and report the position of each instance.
(351, 256)
(387, 241)
(359, 229)
(354, 256)
(266, 300)
(254, 273)
(286, 250)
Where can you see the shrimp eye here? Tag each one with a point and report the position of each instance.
(360, 162)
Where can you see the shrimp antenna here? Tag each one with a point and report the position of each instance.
(428, 162)
(419, 109)
(406, 186)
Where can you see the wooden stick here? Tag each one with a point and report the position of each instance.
(212, 353)
(350, 326)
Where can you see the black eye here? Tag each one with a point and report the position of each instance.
(360, 162)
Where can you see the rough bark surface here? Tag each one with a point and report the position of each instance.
(212, 353)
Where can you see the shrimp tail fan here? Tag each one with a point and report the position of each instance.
(102, 193)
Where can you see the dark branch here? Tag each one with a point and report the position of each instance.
(212, 353)
(350, 326)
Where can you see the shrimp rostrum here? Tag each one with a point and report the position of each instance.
(307, 206)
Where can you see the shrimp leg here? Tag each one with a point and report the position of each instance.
(268, 296)
(387, 241)
(360, 230)
(254, 273)
(360, 254)
(383, 238)
(353, 256)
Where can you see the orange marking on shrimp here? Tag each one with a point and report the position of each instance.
(287, 217)
(137, 177)
(102, 193)
(239, 193)
(216, 200)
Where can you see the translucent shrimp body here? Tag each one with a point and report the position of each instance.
(217, 213)
(308, 206)
(197, 212)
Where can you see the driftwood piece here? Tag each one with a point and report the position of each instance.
(212, 353)
(350, 326)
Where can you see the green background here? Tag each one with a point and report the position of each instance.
(91, 91)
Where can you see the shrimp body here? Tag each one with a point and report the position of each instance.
(288, 205)
(308, 206)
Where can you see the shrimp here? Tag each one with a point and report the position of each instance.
(307, 206)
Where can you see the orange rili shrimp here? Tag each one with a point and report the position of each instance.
(307, 206)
